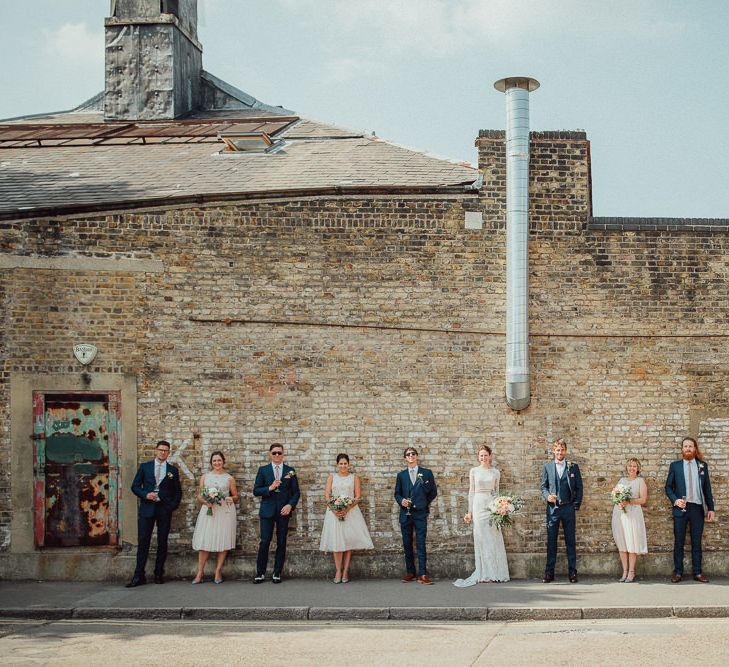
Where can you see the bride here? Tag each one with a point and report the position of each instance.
(488, 542)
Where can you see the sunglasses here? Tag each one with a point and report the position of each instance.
(276, 453)
(410, 454)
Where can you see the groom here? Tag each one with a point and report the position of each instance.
(689, 488)
(562, 491)
(278, 488)
(414, 491)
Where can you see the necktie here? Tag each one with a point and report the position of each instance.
(277, 473)
(412, 475)
(690, 483)
(158, 473)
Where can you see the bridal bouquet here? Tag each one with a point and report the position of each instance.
(503, 508)
(340, 503)
(620, 494)
(211, 494)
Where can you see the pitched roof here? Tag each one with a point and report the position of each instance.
(73, 161)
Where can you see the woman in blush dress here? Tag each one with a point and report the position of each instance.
(344, 530)
(216, 524)
(488, 542)
(628, 523)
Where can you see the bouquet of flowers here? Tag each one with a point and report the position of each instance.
(339, 503)
(620, 494)
(211, 494)
(503, 508)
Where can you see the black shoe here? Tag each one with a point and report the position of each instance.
(136, 581)
(548, 579)
(159, 579)
(259, 579)
(276, 578)
(573, 578)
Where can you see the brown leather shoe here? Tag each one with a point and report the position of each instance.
(425, 579)
(675, 578)
(409, 577)
(548, 579)
(573, 578)
(701, 578)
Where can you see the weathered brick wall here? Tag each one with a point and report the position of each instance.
(366, 324)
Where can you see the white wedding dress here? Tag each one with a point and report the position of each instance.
(488, 542)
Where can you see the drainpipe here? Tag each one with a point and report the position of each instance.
(517, 91)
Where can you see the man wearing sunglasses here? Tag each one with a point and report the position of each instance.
(278, 488)
(414, 491)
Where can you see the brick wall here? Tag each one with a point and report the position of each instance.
(369, 324)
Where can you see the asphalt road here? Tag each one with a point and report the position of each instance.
(665, 642)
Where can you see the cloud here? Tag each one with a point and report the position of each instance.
(344, 70)
(75, 44)
(440, 28)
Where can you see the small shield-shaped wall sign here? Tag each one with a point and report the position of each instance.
(84, 352)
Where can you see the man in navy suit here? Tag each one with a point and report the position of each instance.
(689, 488)
(157, 485)
(561, 486)
(415, 489)
(278, 488)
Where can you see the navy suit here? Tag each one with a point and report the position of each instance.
(272, 502)
(422, 493)
(568, 490)
(151, 512)
(693, 516)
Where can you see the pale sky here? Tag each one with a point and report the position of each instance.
(647, 79)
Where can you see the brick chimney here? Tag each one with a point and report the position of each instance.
(153, 60)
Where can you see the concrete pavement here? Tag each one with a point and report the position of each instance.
(318, 600)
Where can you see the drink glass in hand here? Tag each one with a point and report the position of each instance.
(683, 509)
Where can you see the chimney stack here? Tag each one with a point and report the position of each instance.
(153, 60)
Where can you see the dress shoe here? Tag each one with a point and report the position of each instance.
(548, 579)
(701, 578)
(259, 579)
(573, 578)
(675, 578)
(276, 578)
(159, 579)
(425, 579)
(136, 581)
(409, 577)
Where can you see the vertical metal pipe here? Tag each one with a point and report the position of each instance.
(517, 91)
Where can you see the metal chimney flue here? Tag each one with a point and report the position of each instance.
(518, 381)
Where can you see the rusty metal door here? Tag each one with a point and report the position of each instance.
(76, 468)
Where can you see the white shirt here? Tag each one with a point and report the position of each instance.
(561, 465)
(690, 468)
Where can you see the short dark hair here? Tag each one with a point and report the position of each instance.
(342, 456)
(164, 443)
(275, 444)
(217, 452)
(410, 449)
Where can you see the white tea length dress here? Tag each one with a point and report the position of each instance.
(629, 526)
(351, 533)
(216, 532)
